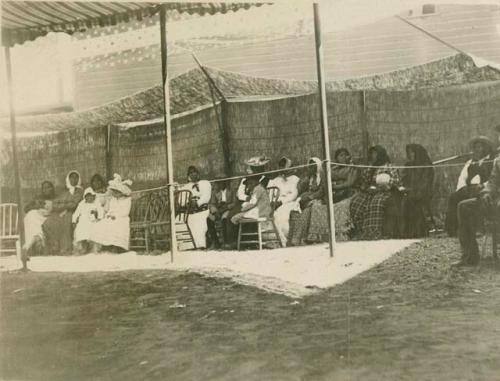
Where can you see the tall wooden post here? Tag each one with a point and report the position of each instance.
(108, 155)
(324, 125)
(168, 129)
(17, 178)
(365, 139)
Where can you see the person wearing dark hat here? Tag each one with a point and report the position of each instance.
(201, 191)
(474, 175)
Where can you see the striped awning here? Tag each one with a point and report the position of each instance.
(26, 20)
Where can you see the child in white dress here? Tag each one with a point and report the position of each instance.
(88, 213)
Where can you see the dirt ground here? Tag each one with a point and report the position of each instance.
(410, 318)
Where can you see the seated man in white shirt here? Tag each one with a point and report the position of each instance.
(201, 191)
(474, 175)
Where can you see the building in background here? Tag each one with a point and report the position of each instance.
(383, 46)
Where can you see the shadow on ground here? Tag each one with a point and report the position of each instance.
(409, 318)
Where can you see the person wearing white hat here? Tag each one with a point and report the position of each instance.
(88, 212)
(114, 229)
(255, 164)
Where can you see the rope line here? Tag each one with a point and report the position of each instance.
(332, 163)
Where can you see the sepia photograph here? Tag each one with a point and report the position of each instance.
(295, 190)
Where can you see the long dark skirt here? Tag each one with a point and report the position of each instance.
(58, 234)
(375, 215)
(310, 226)
(414, 215)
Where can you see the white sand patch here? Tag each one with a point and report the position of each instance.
(294, 271)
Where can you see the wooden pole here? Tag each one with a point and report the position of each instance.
(221, 117)
(109, 158)
(17, 179)
(324, 124)
(168, 129)
(365, 139)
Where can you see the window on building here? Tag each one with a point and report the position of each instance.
(428, 9)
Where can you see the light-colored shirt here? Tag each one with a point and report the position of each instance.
(287, 186)
(259, 205)
(202, 190)
(462, 179)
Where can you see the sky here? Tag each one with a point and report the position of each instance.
(42, 69)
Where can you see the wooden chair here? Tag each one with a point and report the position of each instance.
(159, 227)
(256, 237)
(9, 220)
(183, 204)
(140, 223)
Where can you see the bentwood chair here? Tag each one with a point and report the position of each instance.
(183, 202)
(140, 223)
(252, 237)
(10, 238)
(160, 222)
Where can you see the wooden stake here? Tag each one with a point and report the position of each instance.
(168, 129)
(17, 178)
(324, 125)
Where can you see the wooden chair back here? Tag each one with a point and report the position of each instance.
(182, 205)
(274, 195)
(9, 220)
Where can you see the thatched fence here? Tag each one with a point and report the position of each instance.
(442, 120)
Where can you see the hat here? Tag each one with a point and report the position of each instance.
(119, 185)
(483, 140)
(288, 162)
(89, 190)
(257, 161)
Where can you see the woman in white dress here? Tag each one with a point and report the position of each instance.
(114, 229)
(88, 213)
(35, 214)
(286, 182)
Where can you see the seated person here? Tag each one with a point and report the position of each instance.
(98, 185)
(344, 184)
(113, 230)
(201, 191)
(474, 175)
(254, 165)
(344, 178)
(309, 219)
(368, 208)
(36, 212)
(57, 228)
(222, 201)
(286, 182)
(417, 193)
(88, 212)
(258, 204)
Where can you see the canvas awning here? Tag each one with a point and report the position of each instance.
(26, 20)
